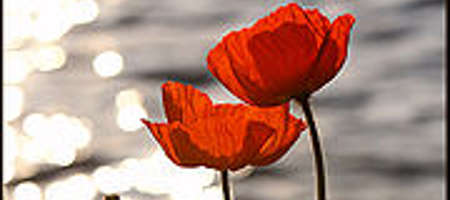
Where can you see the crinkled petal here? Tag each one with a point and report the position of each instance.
(257, 134)
(285, 129)
(283, 14)
(184, 103)
(332, 54)
(196, 148)
(318, 21)
(161, 132)
(274, 149)
(276, 117)
(213, 141)
(282, 58)
(219, 64)
(309, 18)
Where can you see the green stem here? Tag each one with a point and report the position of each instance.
(316, 149)
(225, 185)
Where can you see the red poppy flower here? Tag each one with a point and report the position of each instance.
(223, 136)
(289, 54)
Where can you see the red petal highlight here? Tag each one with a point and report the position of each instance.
(281, 64)
(161, 132)
(213, 141)
(219, 64)
(195, 148)
(319, 22)
(308, 17)
(274, 149)
(284, 14)
(184, 103)
(257, 134)
(332, 53)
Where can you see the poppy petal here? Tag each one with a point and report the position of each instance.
(257, 134)
(219, 64)
(332, 53)
(161, 133)
(229, 121)
(184, 103)
(273, 150)
(253, 62)
(275, 117)
(195, 148)
(212, 141)
(228, 139)
(270, 50)
(288, 54)
(242, 60)
(319, 22)
(225, 136)
(246, 60)
(243, 67)
(307, 17)
(277, 18)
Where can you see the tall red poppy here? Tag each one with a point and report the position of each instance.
(289, 54)
(223, 136)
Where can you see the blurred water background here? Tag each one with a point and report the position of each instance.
(78, 75)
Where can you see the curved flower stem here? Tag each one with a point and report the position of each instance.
(225, 185)
(316, 148)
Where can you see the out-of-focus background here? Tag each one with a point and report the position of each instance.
(78, 75)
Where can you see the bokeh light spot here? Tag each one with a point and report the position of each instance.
(10, 152)
(78, 186)
(13, 101)
(48, 58)
(27, 191)
(83, 11)
(128, 118)
(110, 180)
(108, 64)
(16, 68)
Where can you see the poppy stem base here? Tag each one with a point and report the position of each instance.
(111, 197)
(316, 149)
(225, 185)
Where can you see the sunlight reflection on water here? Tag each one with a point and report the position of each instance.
(156, 175)
(62, 136)
(129, 103)
(27, 191)
(78, 186)
(13, 102)
(108, 64)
